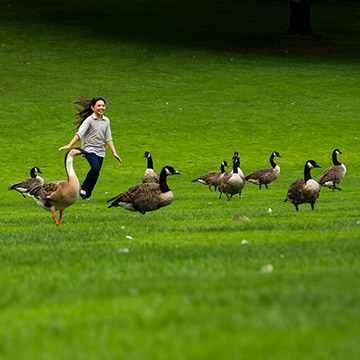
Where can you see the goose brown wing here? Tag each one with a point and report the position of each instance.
(210, 175)
(50, 188)
(47, 190)
(260, 174)
(21, 184)
(296, 188)
(27, 184)
(227, 175)
(325, 176)
(137, 191)
(333, 173)
(268, 176)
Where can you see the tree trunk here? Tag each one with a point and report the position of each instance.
(300, 18)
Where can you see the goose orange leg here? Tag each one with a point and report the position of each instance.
(61, 214)
(54, 217)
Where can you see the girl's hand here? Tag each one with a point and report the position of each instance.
(64, 147)
(117, 157)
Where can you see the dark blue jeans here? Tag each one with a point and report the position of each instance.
(92, 176)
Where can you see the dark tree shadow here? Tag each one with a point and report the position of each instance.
(237, 25)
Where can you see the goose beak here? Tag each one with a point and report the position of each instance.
(177, 173)
(318, 166)
(84, 153)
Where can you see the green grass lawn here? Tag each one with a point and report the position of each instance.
(191, 83)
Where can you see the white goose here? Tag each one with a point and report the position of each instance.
(58, 195)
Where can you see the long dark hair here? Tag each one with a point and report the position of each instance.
(84, 109)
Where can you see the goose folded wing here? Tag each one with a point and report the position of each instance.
(137, 191)
(326, 176)
(21, 184)
(47, 190)
(268, 175)
(331, 174)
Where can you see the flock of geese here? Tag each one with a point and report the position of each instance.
(154, 192)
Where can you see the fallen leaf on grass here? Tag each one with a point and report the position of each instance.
(241, 218)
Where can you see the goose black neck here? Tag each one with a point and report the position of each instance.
(236, 165)
(307, 175)
(149, 162)
(163, 185)
(272, 162)
(334, 159)
(222, 168)
(32, 173)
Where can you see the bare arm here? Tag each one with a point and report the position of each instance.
(112, 148)
(71, 143)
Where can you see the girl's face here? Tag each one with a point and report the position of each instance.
(98, 108)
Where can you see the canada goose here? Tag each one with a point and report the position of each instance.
(150, 176)
(265, 176)
(232, 183)
(231, 171)
(148, 196)
(26, 185)
(333, 175)
(306, 189)
(58, 195)
(236, 155)
(212, 178)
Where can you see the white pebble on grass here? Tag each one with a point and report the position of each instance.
(244, 241)
(269, 210)
(129, 237)
(124, 250)
(266, 269)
